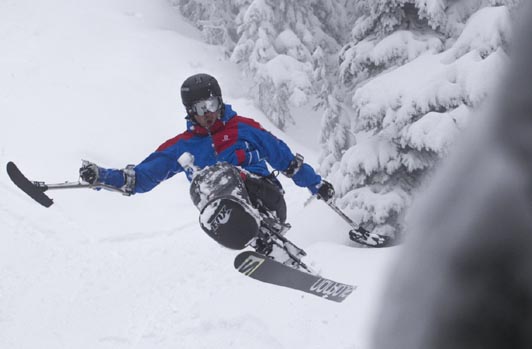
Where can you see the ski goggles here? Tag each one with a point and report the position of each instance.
(212, 104)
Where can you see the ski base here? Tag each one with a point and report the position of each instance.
(262, 268)
(35, 191)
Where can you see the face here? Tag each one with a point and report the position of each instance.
(208, 119)
(207, 111)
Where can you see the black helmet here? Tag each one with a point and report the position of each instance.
(199, 87)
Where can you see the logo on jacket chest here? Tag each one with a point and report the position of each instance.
(225, 139)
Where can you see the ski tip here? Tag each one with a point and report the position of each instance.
(12, 170)
(240, 258)
(10, 165)
(24, 184)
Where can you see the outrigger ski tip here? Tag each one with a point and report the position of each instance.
(364, 237)
(34, 189)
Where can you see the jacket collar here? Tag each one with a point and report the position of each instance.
(228, 114)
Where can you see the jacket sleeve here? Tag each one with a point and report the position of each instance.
(157, 167)
(279, 156)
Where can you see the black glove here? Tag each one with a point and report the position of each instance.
(325, 191)
(89, 172)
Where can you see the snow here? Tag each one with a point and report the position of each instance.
(372, 153)
(434, 10)
(100, 80)
(287, 70)
(435, 131)
(399, 47)
(374, 205)
(477, 36)
(288, 43)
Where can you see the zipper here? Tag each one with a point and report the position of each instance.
(213, 146)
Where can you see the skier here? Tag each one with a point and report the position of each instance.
(215, 133)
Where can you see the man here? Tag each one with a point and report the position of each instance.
(215, 133)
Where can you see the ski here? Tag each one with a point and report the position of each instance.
(34, 189)
(262, 268)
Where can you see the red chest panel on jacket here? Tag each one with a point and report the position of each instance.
(226, 137)
(185, 136)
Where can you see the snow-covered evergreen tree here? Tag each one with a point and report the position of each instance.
(414, 71)
(277, 40)
(215, 19)
(274, 41)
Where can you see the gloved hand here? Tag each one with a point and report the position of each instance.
(325, 191)
(89, 172)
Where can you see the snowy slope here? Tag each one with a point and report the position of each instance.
(99, 80)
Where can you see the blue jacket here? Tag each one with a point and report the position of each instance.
(235, 139)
